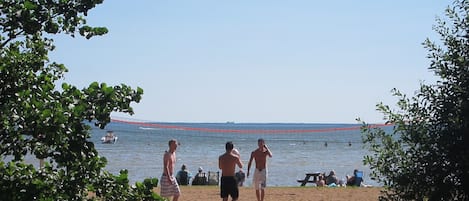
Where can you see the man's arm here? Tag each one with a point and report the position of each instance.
(249, 163)
(166, 164)
(269, 153)
(219, 162)
(240, 163)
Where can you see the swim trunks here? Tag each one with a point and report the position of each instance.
(169, 188)
(259, 179)
(228, 187)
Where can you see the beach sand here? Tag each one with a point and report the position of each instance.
(307, 193)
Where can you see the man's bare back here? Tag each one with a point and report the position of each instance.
(228, 162)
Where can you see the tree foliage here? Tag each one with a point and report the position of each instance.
(426, 155)
(49, 123)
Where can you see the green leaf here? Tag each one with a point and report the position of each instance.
(28, 5)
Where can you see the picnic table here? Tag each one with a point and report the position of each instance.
(308, 179)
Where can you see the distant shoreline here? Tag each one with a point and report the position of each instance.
(119, 119)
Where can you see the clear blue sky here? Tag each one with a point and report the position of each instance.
(298, 61)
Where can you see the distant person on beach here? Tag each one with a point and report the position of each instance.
(183, 176)
(227, 163)
(169, 184)
(259, 179)
(321, 180)
(332, 179)
(200, 178)
(356, 179)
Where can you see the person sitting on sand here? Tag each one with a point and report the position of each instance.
(200, 178)
(332, 179)
(321, 180)
(355, 180)
(351, 179)
(183, 176)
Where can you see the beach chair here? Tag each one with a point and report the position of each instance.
(213, 178)
(358, 178)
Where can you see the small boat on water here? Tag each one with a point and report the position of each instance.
(109, 138)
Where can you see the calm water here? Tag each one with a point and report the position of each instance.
(140, 148)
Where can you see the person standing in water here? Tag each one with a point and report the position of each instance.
(260, 173)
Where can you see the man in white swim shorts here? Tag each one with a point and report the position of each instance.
(259, 179)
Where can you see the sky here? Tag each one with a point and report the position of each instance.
(256, 61)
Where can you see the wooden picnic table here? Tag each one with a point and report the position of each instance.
(307, 179)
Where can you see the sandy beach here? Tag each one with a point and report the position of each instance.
(308, 193)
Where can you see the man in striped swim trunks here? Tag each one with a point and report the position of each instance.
(169, 185)
(260, 173)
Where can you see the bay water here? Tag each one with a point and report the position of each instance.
(297, 148)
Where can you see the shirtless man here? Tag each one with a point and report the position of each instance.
(260, 173)
(169, 185)
(227, 163)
